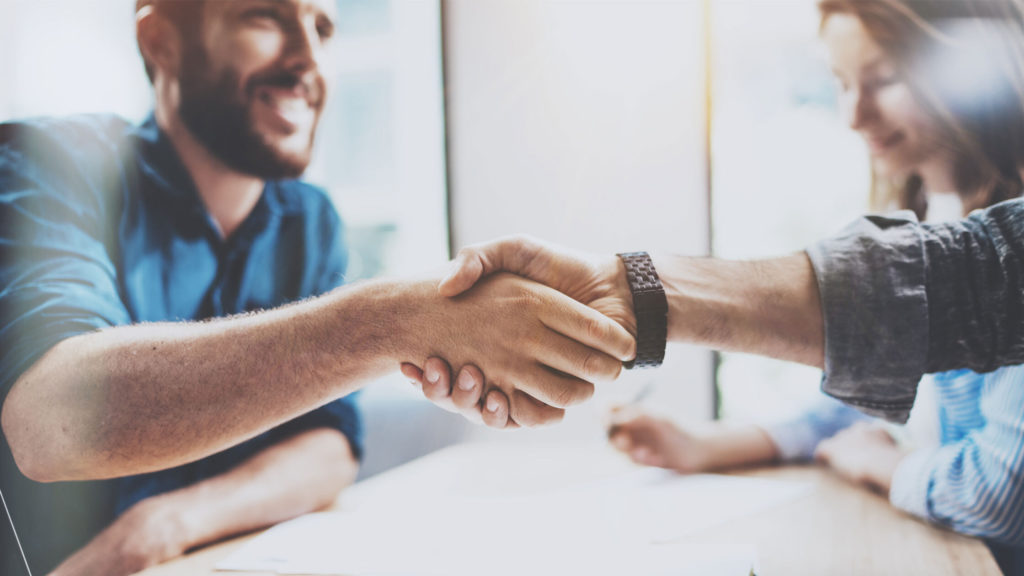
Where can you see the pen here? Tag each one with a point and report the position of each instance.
(639, 397)
(643, 393)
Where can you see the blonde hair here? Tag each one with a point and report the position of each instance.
(932, 43)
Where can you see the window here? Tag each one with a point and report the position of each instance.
(381, 143)
(381, 152)
(786, 170)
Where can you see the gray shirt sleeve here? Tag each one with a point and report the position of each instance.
(901, 299)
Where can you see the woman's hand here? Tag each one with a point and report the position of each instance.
(864, 454)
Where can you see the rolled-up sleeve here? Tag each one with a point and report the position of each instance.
(341, 415)
(974, 485)
(797, 439)
(901, 299)
(57, 279)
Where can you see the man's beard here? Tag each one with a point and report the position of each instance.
(212, 110)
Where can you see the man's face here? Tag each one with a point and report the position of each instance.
(252, 87)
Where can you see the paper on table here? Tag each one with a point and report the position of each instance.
(709, 558)
(620, 525)
(664, 506)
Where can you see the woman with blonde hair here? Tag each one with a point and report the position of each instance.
(936, 90)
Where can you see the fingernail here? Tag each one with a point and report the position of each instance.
(415, 383)
(465, 381)
(492, 404)
(432, 375)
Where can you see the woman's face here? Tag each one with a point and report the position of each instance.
(875, 100)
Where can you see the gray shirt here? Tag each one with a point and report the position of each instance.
(902, 299)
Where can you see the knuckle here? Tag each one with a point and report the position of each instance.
(587, 365)
(572, 393)
(604, 367)
(595, 365)
(563, 396)
(519, 241)
(598, 330)
(615, 370)
(525, 299)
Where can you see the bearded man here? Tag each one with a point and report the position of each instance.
(170, 310)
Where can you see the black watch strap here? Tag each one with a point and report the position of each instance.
(650, 307)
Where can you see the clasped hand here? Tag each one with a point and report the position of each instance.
(585, 303)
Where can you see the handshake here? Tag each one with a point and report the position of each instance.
(526, 328)
(547, 324)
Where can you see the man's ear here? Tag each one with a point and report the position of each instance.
(159, 42)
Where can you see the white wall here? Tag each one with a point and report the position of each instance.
(61, 57)
(583, 123)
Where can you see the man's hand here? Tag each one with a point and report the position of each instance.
(539, 347)
(864, 454)
(595, 281)
(145, 535)
(465, 397)
(653, 441)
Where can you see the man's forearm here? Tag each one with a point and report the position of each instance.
(768, 307)
(146, 397)
(297, 475)
(729, 445)
(302, 474)
(142, 398)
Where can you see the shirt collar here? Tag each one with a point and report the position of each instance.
(159, 162)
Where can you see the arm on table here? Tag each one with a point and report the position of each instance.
(863, 454)
(719, 445)
(298, 475)
(975, 485)
(654, 441)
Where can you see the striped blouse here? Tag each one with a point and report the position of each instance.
(973, 482)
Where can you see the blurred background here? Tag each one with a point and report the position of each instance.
(686, 126)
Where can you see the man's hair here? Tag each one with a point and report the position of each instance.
(185, 15)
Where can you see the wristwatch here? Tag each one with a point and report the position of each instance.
(650, 307)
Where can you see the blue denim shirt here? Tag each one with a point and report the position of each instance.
(101, 225)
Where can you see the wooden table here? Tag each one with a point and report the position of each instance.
(835, 529)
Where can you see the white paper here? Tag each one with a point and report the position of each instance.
(627, 524)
